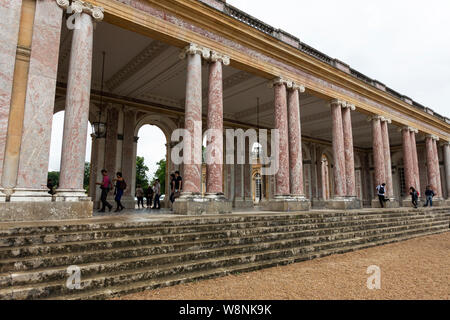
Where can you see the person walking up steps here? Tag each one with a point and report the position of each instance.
(429, 194)
(105, 186)
(120, 188)
(414, 196)
(381, 191)
(149, 196)
(157, 191)
(140, 196)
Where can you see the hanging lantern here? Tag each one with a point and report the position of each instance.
(99, 127)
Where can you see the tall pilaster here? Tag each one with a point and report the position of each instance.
(10, 11)
(39, 104)
(77, 103)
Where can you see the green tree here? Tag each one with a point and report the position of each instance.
(141, 172)
(161, 175)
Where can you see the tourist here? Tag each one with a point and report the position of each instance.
(178, 184)
(381, 191)
(140, 196)
(149, 196)
(414, 196)
(51, 187)
(429, 194)
(172, 188)
(105, 186)
(120, 188)
(157, 191)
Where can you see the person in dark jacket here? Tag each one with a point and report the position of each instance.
(121, 186)
(429, 194)
(414, 196)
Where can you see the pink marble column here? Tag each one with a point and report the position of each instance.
(295, 142)
(378, 151)
(407, 160)
(338, 149)
(431, 170)
(348, 146)
(446, 151)
(238, 169)
(281, 124)
(248, 197)
(387, 158)
(415, 159)
(40, 99)
(77, 109)
(10, 11)
(214, 154)
(437, 168)
(193, 119)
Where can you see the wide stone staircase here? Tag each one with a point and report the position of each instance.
(125, 257)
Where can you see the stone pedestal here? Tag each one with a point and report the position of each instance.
(30, 195)
(195, 205)
(344, 203)
(35, 211)
(406, 202)
(288, 204)
(242, 203)
(392, 203)
(71, 195)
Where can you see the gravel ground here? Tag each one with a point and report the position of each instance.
(413, 269)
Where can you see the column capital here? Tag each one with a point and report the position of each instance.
(280, 81)
(338, 102)
(445, 143)
(350, 106)
(79, 6)
(378, 117)
(433, 137)
(193, 48)
(219, 57)
(63, 3)
(410, 129)
(299, 87)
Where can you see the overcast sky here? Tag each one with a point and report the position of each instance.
(404, 44)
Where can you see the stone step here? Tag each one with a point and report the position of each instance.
(138, 286)
(62, 237)
(140, 240)
(9, 231)
(205, 252)
(225, 263)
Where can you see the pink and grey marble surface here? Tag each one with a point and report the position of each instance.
(40, 96)
(10, 11)
(281, 124)
(214, 168)
(378, 152)
(415, 160)
(77, 106)
(295, 144)
(338, 150)
(349, 154)
(387, 159)
(407, 160)
(193, 125)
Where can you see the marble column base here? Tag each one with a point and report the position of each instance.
(392, 203)
(243, 203)
(39, 211)
(70, 195)
(288, 204)
(437, 202)
(318, 203)
(196, 205)
(343, 203)
(447, 203)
